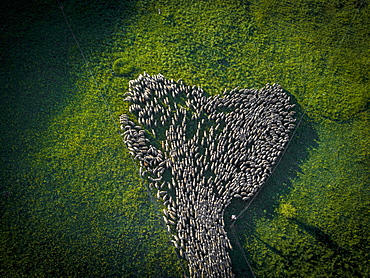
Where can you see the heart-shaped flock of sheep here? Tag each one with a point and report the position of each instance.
(200, 152)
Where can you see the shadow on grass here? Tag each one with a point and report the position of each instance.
(343, 257)
(320, 236)
(278, 184)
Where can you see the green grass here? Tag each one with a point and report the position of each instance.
(72, 203)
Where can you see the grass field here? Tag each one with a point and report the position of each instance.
(72, 201)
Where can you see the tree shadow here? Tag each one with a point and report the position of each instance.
(342, 257)
(320, 236)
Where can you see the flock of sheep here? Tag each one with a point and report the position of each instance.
(199, 152)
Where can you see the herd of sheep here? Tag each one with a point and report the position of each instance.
(199, 152)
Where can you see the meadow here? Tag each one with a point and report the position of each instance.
(72, 203)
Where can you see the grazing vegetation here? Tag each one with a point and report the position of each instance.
(121, 67)
(72, 202)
